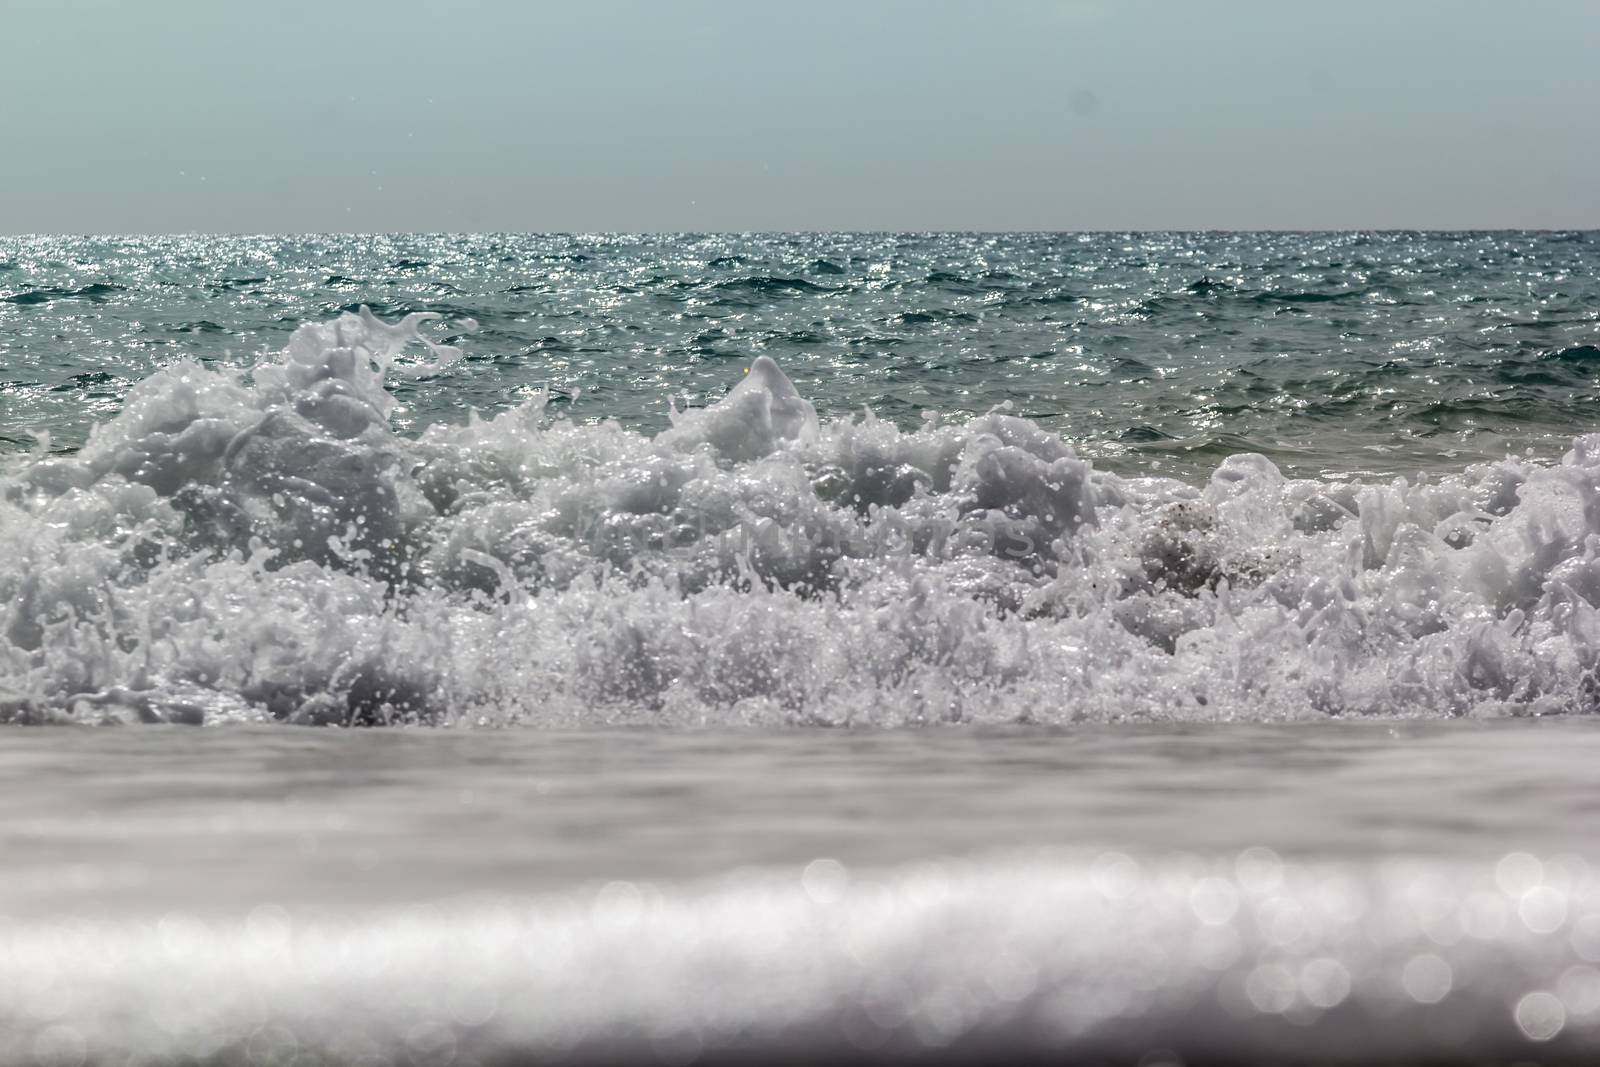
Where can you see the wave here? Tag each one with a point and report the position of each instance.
(1287, 296)
(1585, 355)
(931, 316)
(94, 292)
(262, 544)
(770, 285)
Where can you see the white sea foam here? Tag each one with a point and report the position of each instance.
(235, 546)
(1102, 958)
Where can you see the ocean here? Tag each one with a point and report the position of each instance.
(1145, 648)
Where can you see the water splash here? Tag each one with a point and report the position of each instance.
(259, 544)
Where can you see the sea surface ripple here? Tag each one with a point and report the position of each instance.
(1383, 352)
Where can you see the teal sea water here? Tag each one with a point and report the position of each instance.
(1326, 351)
(1129, 648)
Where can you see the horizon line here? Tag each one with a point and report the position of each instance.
(1285, 230)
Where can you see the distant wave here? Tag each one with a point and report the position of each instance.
(94, 291)
(1281, 296)
(767, 285)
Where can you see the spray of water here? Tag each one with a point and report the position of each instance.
(263, 545)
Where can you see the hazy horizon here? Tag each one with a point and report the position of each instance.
(114, 235)
(717, 117)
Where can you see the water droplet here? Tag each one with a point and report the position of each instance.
(1540, 1015)
(1427, 978)
(825, 880)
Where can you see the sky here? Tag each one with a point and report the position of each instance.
(169, 116)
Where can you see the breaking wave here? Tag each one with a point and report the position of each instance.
(262, 544)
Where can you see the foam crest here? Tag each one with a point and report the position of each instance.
(264, 545)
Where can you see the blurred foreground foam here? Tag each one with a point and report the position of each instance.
(1109, 956)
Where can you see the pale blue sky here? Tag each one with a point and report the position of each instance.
(214, 115)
